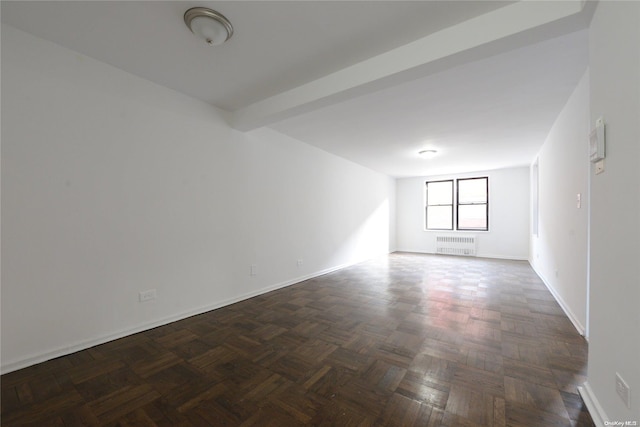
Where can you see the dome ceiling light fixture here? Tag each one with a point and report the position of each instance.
(209, 25)
(428, 154)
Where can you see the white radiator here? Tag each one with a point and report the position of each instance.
(456, 245)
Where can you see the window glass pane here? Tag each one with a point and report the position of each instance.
(472, 217)
(440, 193)
(440, 217)
(472, 190)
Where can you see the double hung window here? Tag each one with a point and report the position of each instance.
(440, 205)
(469, 197)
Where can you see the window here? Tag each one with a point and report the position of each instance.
(471, 202)
(440, 205)
(536, 197)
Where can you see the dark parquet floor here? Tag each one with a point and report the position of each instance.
(405, 340)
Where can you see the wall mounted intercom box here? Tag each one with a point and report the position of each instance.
(597, 142)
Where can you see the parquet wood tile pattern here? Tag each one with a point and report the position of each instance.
(404, 340)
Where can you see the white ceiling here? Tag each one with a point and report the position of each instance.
(352, 77)
(494, 112)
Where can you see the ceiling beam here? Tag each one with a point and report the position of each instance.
(504, 29)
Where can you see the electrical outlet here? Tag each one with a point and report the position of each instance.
(147, 295)
(622, 388)
(299, 263)
(254, 269)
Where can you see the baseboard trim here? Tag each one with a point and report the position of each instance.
(595, 409)
(480, 255)
(565, 307)
(507, 257)
(85, 344)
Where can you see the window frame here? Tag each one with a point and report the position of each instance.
(486, 204)
(426, 205)
(455, 205)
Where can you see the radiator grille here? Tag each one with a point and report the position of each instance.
(456, 245)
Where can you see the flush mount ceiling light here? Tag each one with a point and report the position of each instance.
(427, 154)
(209, 25)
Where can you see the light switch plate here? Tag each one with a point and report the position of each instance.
(623, 390)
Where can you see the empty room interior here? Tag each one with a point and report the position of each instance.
(280, 213)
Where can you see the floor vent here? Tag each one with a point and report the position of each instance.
(456, 245)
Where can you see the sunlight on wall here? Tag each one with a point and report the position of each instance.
(370, 239)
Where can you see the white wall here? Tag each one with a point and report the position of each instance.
(559, 251)
(614, 314)
(508, 235)
(112, 185)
